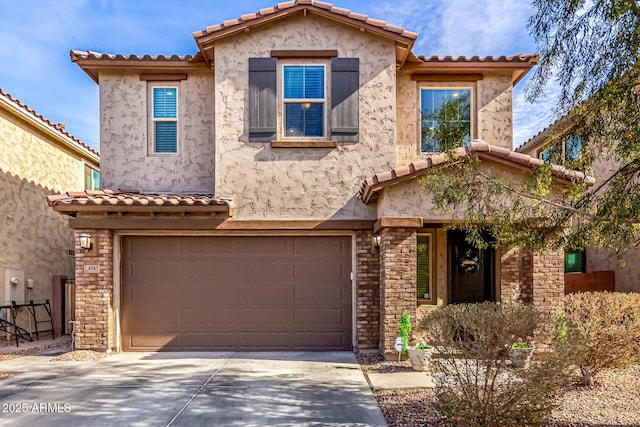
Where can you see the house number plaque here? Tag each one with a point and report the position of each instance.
(91, 268)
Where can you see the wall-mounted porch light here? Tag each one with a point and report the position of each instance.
(376, 241)
(86, 241)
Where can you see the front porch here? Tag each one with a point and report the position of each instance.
(504, 275)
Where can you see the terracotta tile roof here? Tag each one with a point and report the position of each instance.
(371, 187)
(134, 201)
(77, 55)
(339, 12)
(531, 58)
(56, 127)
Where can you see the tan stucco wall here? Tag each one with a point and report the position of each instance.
(495, 110)
(125, 158)
(410, 199)
(492, 118)
(34, 239)
(290, 183)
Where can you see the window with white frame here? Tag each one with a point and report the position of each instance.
(445, 118)
(304, 100)
(91, 178)
(164, 119)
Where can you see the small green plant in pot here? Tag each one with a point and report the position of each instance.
(420, 355)
(521, 353)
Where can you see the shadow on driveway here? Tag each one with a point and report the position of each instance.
(187, 389)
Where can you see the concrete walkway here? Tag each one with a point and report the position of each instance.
(187, 389)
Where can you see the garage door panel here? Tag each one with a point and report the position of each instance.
(316, 294)
(146, 318)
(320, 246)
(319, 272)
(152, 245)
(319, 340)
(165, 341)
(327, 316)
(248, 246)
(159, 296)
(236, 293)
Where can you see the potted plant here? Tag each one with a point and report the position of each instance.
(521, 353)
(420, 355)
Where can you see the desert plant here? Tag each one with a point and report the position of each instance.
(601, 330)
(475, 385)
(404, 329)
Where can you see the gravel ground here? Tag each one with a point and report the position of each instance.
(613, 401)
(80, 356)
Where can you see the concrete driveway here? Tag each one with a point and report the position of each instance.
(189, 389)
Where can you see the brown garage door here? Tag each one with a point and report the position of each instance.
(236, 293)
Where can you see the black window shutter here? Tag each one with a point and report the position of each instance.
(262, 99)
(345, 82)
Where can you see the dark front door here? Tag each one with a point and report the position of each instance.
(471, 270)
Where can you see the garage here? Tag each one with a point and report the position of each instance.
(223, 293)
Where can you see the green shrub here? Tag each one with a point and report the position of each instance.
(475, 385)
(602, 330)
(404, 329)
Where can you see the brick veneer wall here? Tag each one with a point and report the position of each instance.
(548, 280)
(397, 282)
(516, 275)
(367, 291)
(94, 293)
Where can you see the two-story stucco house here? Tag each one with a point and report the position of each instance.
(37, 158)
(276, 204)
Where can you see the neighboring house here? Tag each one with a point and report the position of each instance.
(559, 138)
(37, 158)
(275, 203)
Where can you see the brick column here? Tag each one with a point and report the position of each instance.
(548, 280)
(516, 278)
(94, 292)
(398, 265)
(367, 291)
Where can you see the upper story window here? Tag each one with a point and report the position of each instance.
(316, 103)
(566, 150)
(304, 100)
(164, 119)
(445, 118)
(91, 178)
(572, 147)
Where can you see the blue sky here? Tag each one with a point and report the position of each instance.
(37, 35)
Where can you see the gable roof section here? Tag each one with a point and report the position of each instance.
(371, 187)
(56, 130)
(125, 201)
(404, 39)
(92, 62)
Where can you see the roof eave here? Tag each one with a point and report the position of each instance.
(70, 209)
(92, 67)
